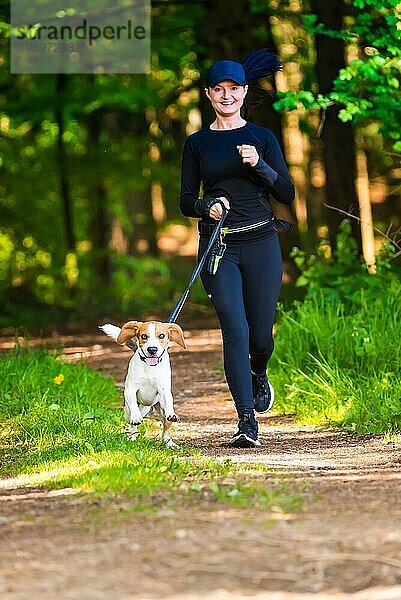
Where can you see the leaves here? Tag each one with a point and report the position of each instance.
(342, 276)
(368, 87)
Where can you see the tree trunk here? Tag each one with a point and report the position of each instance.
(338, 137)
(100, 221)
(365, 207)
(61, 81)
(143, 239)
(266, 116)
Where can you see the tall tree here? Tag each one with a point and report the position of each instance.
(338, 137)
(100, 220)
(366, 90)
(65, 192)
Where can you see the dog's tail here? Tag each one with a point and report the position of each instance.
(113, 332)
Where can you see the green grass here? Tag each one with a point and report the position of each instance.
(341, 365)
(62, 426)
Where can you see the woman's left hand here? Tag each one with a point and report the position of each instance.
(249, 154)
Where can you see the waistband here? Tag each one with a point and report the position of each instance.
(208, 228)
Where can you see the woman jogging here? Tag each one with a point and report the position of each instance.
(239, 165)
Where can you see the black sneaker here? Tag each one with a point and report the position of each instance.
(263, 393)
(247, 434)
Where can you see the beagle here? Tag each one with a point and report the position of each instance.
(148, 381)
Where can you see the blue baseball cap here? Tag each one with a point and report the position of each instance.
(226, 69)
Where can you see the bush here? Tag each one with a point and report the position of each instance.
(341, 276)
(337, 357)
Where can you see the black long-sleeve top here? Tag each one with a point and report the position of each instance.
(210, 157)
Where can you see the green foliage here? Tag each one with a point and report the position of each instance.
(109, 123)
(338, 357)
(141, 283)
(124, 133)
(344, 276)
(138, 283)
(368, 88)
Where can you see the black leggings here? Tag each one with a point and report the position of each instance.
(244, 292)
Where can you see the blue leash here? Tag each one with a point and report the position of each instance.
(177, 309)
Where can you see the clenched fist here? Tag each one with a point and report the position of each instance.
(249, 154)
(216, 210)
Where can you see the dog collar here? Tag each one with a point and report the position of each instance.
(146, 358)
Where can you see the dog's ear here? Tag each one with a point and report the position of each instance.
(128, 331)
(176, 334)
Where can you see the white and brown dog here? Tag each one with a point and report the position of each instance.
(148, 381)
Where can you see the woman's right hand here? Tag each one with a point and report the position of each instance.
(216, 209)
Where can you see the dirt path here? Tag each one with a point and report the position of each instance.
(346, 543)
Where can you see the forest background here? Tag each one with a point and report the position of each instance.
(90, 164)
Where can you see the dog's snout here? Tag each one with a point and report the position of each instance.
(152, 350)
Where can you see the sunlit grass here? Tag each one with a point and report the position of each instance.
(138, 470)
(63, 427)
(341, 367)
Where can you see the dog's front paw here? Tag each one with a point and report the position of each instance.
(172, 445)
(132, 436)
(173, 418)
(137, 421)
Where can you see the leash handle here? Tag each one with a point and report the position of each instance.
(177, 309)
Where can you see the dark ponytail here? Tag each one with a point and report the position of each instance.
(258, 64)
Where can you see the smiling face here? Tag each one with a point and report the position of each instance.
(153, 337)
(226, 97)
